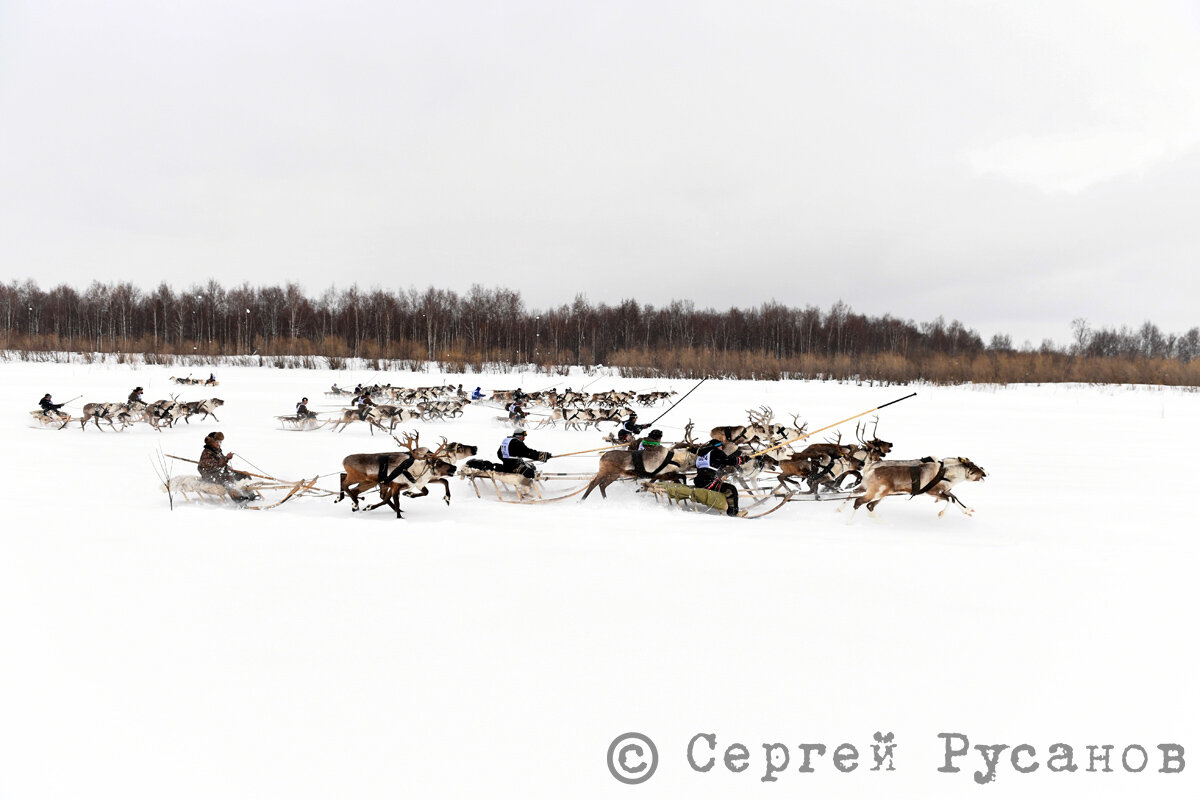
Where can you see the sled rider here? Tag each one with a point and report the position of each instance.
(711, 462)
(653, 440)
(136, 396)
(513, 451)
(364, 402)
(302, 411)
(214, 467)
(477, 394)
(629, 428)
(49, 407)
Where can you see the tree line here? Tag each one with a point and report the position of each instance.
(490, 325)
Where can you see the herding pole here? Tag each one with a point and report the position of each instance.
(656, 419)
(834, 425)
(677, 402)
(593, 450)
(251, 474)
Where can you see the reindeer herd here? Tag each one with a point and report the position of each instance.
(858, 472)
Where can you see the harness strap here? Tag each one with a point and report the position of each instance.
(639, 463)
(916, 479)
(401, 469)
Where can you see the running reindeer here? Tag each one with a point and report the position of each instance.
(935, 477)
(409, 471)
(761, 429)
(831, 465)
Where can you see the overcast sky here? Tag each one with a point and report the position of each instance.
(1011, 164)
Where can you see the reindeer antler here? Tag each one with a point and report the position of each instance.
(411, 441)
(443, 448)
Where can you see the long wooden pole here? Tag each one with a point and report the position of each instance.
(594, 450)
(251, 474)
(677, 402)
(834, 425)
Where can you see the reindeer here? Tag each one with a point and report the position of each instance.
(206, 407)
(164, 412)
(372, 415)
(582, 418)
(820, 463)
(110, 412)
(925, 476)
(393, 415)
(653, 463)
(760, 429)
(440, 409)
(828, 464)
(410, 470)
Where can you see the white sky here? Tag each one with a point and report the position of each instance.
(1011, 164)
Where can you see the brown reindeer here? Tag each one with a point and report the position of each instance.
(653, 463)
(123, 413)
(925, 476)
(829, 465)
(369, 414)
(760, 430)
(206, 407)
(409, 470)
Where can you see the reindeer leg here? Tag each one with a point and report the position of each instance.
(592, 484)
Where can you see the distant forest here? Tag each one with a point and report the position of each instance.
(486, 327)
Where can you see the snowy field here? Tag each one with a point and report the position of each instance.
(491, 650)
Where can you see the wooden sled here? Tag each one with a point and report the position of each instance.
(51, 422)
(193, 488)
(508, 485)
(294, 423)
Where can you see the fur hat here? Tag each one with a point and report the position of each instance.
(217, 435)
(520, 432)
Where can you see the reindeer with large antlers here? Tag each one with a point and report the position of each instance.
(829, 465)
(410, 471)
(761, 429)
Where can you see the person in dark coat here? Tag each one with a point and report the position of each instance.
(629, 428)
(136, 396)
(711, 462)
(49, 407)
(364, 403)
(302, 411)
(513, 452)
(653, 440)
(214, 467)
